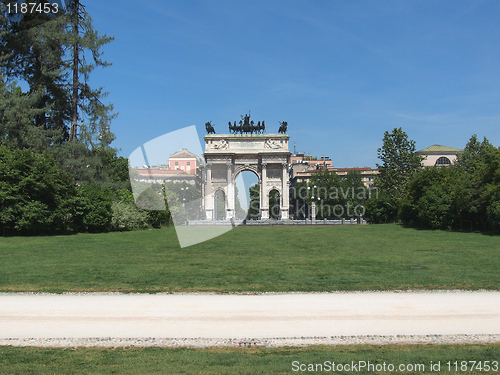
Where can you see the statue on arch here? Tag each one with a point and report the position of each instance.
(209, 128)
(262, 128)
(283, 126)
(246, 125)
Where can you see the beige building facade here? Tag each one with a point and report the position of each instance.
(438, 155)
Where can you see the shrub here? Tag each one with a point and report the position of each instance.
(380, 209)
(93, 209)
(126, 215)
(36, 197)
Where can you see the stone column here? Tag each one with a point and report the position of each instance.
(209, 196)
(285, 204)
(264, 201)
(203, 179)
(230, 192)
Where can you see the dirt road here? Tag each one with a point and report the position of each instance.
(258, 316)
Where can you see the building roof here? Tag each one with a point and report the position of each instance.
(183, 154)
(361, 169)
(439, 148)
(160, 172)
(341, 170)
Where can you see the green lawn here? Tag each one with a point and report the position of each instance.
(253, 259)
(235, 361)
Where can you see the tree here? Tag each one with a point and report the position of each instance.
(17, 110)
(463, 196)
(93, 207)
(32, 50)
(325, 189)
(491, 193)
(186, 197)
(399, 162)
(82, 38)
(48, 52)
(354, 193)
(478, 162)
(100, 165)
(126, 215)
(472, 158)
(36, 197)
(435, 198)
(379, 209)
(274, 204)
(254, 204)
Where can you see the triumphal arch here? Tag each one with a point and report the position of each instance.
(246, 148)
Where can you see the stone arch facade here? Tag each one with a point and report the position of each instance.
(227, 155)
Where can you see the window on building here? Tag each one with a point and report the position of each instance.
(188, 163)
(443, 160)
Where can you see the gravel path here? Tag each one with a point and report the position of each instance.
(267, 319)
(242, 342)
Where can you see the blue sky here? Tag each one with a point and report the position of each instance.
(339, 72)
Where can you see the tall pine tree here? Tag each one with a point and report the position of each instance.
(46, 102)
(84, 40)
(53, 54)
(32, 52)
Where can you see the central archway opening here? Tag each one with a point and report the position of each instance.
(247, 193)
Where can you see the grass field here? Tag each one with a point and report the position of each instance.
(247, 360)
(253, 259)
(256, 259)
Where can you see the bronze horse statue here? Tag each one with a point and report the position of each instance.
(261, 128)
(209, 128)
(283, 126)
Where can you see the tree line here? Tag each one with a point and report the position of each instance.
(58, 171)
(462, 196)
(465, 195)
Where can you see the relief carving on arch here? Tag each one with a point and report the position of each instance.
(274, 173)
(222, 144)
(271, 143)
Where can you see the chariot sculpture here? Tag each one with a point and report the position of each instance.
(247, 126)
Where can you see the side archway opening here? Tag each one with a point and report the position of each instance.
(274, 204)
(220, 205)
